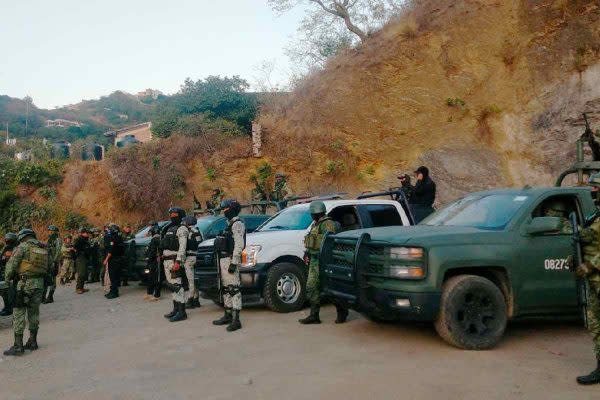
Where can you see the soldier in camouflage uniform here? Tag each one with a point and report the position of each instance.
(558, 209)
(312, 242)
(67, 251)
(590, 271)
(129, 254)
(95, 255)
(30, 266)
(10, 242)
(229, 247)
(54, 253)
(82, 253)
(215, 199)
(281, 191)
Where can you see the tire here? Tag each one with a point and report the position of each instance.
(285, 288)
(472, 313)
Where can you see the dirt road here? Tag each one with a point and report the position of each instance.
(93, 348)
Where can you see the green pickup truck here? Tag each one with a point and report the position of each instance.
(470, 267)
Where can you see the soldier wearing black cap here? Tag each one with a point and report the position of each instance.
(82, 253)
(421, 196)
(153, 253)
(54, 253)
(115, 259)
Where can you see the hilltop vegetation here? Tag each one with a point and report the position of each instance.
(486, 93)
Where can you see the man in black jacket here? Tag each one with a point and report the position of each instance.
(421, 196)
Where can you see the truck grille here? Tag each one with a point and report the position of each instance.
(376, 260)
(205, 272)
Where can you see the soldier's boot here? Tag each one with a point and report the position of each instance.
(190, 304)
(592, 379)
(32, 341)
(225, 319)
(342, 314)
(17, 349)
(173, 312)
(313, 317)
(50, 298)
(235, 323)
(196, 302)
(180, 315)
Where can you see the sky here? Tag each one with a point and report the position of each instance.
(60, 52)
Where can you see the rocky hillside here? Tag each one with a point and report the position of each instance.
(487, 93)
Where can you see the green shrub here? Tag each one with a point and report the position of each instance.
(455, 102)
(335, 168)
(74, 221)
(211, 174)
(48, 192)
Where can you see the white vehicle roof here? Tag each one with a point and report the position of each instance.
(330, 204)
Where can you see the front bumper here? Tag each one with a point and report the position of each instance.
(391, 304)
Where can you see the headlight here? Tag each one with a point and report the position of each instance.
(406, 271)
(250, 256)
(405, 253)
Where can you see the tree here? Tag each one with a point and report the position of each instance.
(332, 25)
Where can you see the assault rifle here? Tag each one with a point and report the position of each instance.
(582, 283)
(588, 136)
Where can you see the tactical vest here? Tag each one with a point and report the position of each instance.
(36, 261)
(194, 239)
(225, 243)
(170, 241)
(314, 238)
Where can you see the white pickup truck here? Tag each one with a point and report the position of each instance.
(273, 269)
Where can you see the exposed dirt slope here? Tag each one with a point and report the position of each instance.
(487, 93)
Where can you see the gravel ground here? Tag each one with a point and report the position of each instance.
(93, 348)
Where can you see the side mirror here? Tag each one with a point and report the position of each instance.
(542, 225)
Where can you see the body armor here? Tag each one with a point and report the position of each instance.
(36, 263)
(169, 240)
(194, 239)
(224, 243)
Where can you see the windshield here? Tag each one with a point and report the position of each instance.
(204, 223)
(144, 232)
(296, 218)
(492, 212)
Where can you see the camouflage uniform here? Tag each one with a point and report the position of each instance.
(590, 238)
(178, 256)
(7, 292)
(54, 255)
(215, 199)
(67, 273)
(30, 263)
(313, 242)
(233, 301)
(281, 191)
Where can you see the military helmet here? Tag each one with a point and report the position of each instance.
(594, 180)
(10, 237)
(53, 228)
(557, 205)
(231, 208)
(68, 236)
(177, 210)
(23, 233)
(190, 220)
(280, 175)
(317, 207)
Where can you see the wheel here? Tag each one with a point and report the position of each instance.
(472, 313)
(285, 288)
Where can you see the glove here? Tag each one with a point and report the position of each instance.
(583, 270)
(176, 266)
(306, 259)
(232, 268)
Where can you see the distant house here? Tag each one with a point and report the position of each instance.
(152, 93)
(61, 123)
(140, 132)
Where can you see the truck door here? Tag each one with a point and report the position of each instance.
(547, 285)
(379, 215)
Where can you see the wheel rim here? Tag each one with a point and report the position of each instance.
(476, 314)
(288, 288)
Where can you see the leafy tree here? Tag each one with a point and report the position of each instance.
(331, 25)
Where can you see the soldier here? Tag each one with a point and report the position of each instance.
(558, 209)
(29, 266)
(281, 191)
(68, 260)
(215, 199)
(321, 226)
(129, 254)
(10, 242)
(259, 193)
(95, 255)
(422, 195)
(115, 259)
(229, 247)
(590, 271)
(194, 239)
(174, 252)
(54, 253)
(155, 275)
(82, 251)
